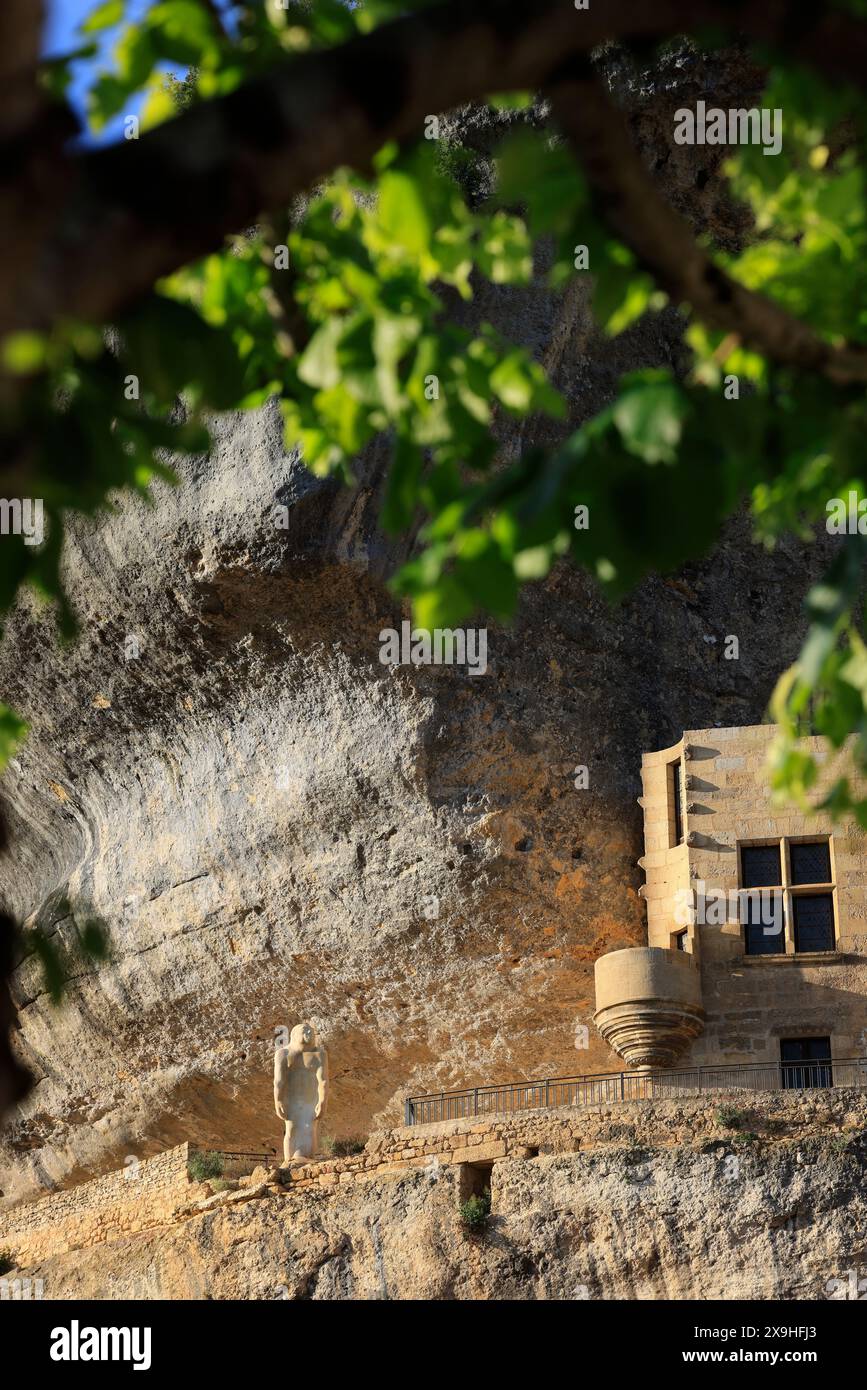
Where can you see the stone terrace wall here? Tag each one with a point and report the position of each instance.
(236, 1165)
(112, 1207)
(142, 1194)
(642, 1124)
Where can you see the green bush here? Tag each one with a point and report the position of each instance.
(205, 1165)
(343, 1148)
(476, 1210)
(730, 1118)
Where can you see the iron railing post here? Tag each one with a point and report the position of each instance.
(476, 1101)
(622, 1086)
(407, 1111)
(547, 1096)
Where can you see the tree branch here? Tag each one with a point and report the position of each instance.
(20, 37)
(217, 18)
(664, 244)
(127, 215)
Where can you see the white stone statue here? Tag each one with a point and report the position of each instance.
(300, 1085)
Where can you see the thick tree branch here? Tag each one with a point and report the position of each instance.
(217, 18)
(123, 217)
(664, 244)
(20, 37)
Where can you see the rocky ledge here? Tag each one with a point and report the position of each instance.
(732, 1197)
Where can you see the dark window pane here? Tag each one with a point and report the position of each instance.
(676, 801)
(814, 922)
(811, 863)
(806, 1062)
(805, 1049)
(760, 866)
(762, 917)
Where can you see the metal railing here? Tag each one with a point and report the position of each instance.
(241, 1153)
(555, 1092)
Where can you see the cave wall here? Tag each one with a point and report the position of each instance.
(273, 825)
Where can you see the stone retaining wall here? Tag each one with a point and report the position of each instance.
(158, 1191)
(651, 1124)
(144, 1193)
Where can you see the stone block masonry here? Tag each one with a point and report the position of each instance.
(651, 1124)
(113, 1207)
(699, 993)
(144, 1193)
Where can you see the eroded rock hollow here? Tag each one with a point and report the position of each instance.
(274, 825)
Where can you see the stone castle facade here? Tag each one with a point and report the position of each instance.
(756, 921)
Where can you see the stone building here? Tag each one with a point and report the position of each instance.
(756, 922)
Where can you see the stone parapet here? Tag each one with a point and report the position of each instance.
(142, 1194)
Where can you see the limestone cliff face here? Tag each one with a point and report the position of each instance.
(274, 825)
(266, 817)
(576, 1227)
(660, 1202)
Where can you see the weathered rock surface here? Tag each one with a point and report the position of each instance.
(274, 826)
(686, 1215)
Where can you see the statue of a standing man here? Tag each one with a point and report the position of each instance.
(300, 1085)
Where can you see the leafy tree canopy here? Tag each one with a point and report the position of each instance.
(335, 303)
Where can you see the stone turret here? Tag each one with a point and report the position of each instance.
(648, 1004)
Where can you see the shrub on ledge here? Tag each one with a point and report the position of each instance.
(476, 1211)
(728, 1117)
(205, 1165)
(343, 1148)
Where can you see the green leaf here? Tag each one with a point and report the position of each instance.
(13, 730)
(56, 74)
(182, 31)
(401, 495)
(543, 177)
(106, 98)
(512, 382)
(111, 12)
(393, 337)
(24, 353)
(344, 418)
(403, 211)
(135, 54)
(854, 670)
(511, 101)
(505, 252)
(485, 575)
(171, 349)
(445, 604)
(649, 415)
(318, 364)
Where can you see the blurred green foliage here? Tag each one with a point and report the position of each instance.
(61, 958)
(368, 266)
